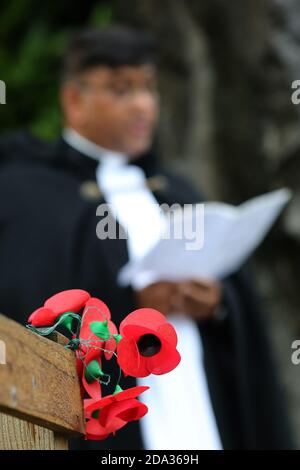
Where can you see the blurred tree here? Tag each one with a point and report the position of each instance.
(32, 38)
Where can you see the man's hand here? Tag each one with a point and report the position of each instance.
(158, 295)
(197, 298)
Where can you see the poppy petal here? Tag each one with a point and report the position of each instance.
(127, 410)
(111, 344)
(101, 307)
(69, 300)
(129, 359)
(165, 361)
(42, 317)
(130, 393)
(147, 317)
(169, 333)
(95, 431)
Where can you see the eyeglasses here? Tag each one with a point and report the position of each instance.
(124, 92)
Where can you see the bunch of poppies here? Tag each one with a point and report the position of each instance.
(145, 344)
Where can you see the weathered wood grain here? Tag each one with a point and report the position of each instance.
(39, 381)
(16, 434)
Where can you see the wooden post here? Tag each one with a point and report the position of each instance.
(40, 402)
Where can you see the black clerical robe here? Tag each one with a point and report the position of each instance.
(48, 243)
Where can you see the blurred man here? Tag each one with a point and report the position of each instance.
(224, 394)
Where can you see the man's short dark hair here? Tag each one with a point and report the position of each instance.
(112, 46)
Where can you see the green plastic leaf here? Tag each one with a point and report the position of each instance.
(118, 389)
(73, 344)
(100, 329)
(117, 338)
(68, 320)
(95, 414)
(93, 371)
(45, 331)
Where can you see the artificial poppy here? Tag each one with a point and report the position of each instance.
(111, 413)
(148, 344)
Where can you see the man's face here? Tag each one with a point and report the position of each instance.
(115, 108)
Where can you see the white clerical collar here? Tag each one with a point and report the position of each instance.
(90, 149)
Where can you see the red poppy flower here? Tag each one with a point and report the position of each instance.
(113, 412)
(148, 344)
(66, 301)
(96, 311)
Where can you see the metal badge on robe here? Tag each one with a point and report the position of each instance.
(89, 190)
(157, 183)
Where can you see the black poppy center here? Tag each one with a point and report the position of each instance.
(149, 345)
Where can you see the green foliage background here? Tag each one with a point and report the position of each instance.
(33, 35)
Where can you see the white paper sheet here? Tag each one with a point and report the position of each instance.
(231, 234)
